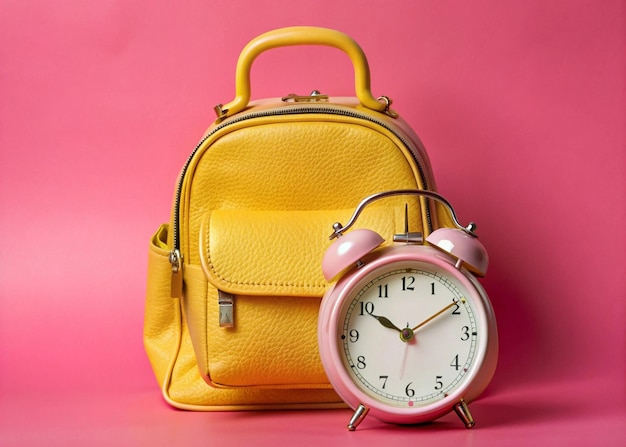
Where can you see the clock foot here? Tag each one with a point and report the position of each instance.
(358, 417)
(462, 410)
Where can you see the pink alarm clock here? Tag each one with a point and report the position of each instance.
(406, 333)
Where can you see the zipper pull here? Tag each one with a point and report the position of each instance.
(176, 260)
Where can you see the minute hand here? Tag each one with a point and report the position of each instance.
(432, 317)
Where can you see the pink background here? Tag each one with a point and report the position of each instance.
(521, 105)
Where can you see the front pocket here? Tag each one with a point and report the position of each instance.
(268, 263)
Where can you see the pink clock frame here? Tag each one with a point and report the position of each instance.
(477, 378)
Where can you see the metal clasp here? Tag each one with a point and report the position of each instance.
(220, 111)
(315, 96)
(388, 101)
(226, 302)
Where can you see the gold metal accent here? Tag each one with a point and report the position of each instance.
(432, 317)
(176, 283)
(462, 411)
(407, 334)
(388, 101)
(220, 111)
(358, 417)
(315, 96)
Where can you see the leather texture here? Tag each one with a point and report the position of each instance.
(237, 246)
(257, 202)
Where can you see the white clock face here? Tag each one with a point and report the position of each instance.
(410, 335)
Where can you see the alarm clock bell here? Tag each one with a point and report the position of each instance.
(463, 246)
(349, 250)
(461, 243)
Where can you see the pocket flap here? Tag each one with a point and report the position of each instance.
(278, 252)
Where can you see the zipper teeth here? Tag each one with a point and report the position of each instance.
(286, 111)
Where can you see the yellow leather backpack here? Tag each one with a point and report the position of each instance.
(234, 280)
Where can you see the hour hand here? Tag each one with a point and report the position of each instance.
(386, 322)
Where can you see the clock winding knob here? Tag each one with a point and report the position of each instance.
(348, 250)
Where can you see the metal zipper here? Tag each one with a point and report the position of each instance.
(175, 255)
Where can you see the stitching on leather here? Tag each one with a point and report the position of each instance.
(247, 283)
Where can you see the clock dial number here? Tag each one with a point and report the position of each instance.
(455, 363)
(354, 336)
(360, 362)
(466, 334)
(383, 291)
(383, 379)
(438, 382)
(457, 309)
(410, 392)
(367, 308)
(407, 283)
